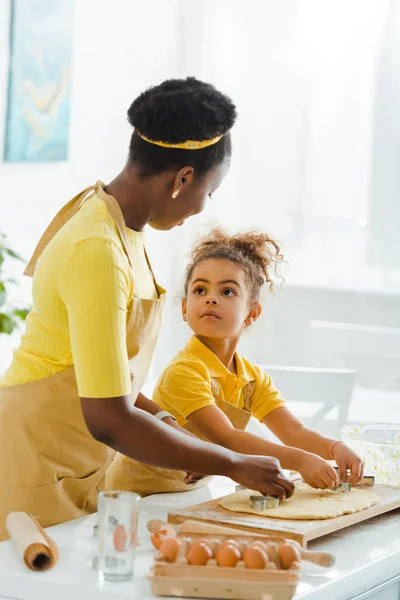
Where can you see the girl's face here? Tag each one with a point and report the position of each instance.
(218, 303)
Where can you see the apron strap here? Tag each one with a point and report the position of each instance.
(69, 210)
(62, 217)
(116, 213)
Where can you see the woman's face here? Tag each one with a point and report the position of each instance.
(191, 199)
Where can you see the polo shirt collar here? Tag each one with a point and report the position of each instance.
(213, 364)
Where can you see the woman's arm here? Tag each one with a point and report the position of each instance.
(213, 424)
(136, 434)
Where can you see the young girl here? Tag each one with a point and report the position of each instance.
(212, 390)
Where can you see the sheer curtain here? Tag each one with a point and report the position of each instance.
(315, 159)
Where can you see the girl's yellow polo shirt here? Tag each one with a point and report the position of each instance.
(185, 385)
(82, 288)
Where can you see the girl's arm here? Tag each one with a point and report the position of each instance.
(292, 432)
(213, 424)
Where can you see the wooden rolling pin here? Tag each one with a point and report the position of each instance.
(323, 559)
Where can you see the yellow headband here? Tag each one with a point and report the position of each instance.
(188, 145)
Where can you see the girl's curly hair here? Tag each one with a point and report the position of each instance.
(258, 254)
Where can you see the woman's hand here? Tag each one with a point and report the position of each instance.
(317, 472)
(347, 459)
(264, 474)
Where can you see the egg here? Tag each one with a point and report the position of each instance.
(230, 543)
(288, 554)
(199, 554)
(165, 532)
(255, 558)
(228, 556)
(213, 543)
(120, 538)
(170, 548)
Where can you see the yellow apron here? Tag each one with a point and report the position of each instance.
(50, 465)
(130, 475)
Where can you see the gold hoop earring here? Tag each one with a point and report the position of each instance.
(175, 194)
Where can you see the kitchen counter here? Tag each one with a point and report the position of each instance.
(367, 559)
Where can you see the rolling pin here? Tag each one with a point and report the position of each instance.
(323, 559)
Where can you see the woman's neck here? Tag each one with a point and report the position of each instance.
(223, 348)
(134, 198)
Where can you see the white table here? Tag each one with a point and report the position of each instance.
(367, 566)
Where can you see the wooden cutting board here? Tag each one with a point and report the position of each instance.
(301, 531)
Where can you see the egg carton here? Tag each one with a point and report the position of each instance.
(212, 581)
(219, 582)
(181, 579)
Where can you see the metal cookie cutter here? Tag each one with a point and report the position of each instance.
(367, 480)
(264, 502)
(342, 487)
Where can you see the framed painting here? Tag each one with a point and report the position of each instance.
(39, 80)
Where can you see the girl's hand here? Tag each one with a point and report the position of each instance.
(346, 458)
(317, 472)
(193, 478)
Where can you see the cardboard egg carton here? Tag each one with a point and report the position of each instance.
(179, 578)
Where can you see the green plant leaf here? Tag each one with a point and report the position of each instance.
(7, 324)
(21, 313)
(2, 293)
(13, 254)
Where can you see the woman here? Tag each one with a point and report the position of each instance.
(67, 400)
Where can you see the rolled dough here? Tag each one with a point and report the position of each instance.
(305, 504)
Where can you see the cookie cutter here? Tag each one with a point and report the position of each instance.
(343, 487)
(367, 480)
(263, 502)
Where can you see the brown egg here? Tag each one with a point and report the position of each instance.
(230, 543)
(166, 532)
(213, 543)
(228, 556)
(120, 538)
(170, 548)
(255, 558)
(155, 540)
(199, 554)
(288, 554)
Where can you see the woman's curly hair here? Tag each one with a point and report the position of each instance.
(258, 254)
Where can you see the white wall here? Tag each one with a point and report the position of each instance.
(303, 76)
(120, 48)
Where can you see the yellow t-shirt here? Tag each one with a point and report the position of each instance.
(185, 385)
(82, 287)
